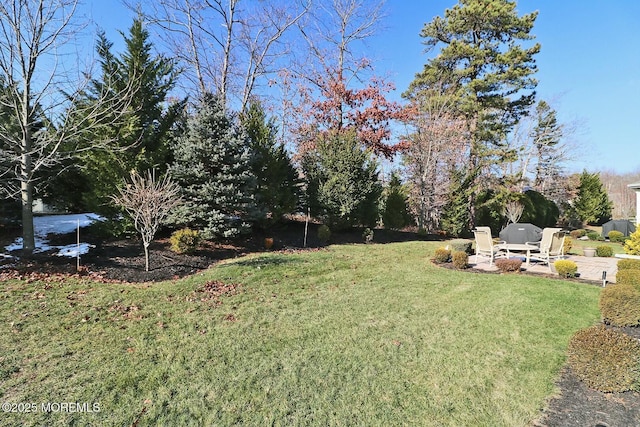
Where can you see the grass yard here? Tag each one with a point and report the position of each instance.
(353, 335)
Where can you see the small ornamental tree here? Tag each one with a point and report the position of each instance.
(632, 244)
(213, 168)
(592, 205)
(148, 201)
(395, 213)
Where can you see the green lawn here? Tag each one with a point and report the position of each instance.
(353, 335)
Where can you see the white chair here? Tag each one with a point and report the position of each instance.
(485, 245)
(550, 247)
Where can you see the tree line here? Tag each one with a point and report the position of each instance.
(258, 109)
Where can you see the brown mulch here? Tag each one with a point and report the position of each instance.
(123, 261)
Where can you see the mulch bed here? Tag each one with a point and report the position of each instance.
(123, 261)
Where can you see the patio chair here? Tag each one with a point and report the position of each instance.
(551, 246)
(485, 245)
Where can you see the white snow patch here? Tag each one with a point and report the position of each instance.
(57, 224)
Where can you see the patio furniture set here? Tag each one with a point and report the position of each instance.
(544, 245)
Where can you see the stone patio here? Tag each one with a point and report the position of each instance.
(590, 268)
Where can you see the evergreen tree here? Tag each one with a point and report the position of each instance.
(342, 182)
(482, 62)
(140, 136)
(213, 168)
(395, 213)
(546, 137)
(277, 182)
(592, 204)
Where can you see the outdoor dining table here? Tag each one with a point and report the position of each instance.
(519, 247)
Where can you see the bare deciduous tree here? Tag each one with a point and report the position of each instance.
(226, 48)
(38, 98)
(148, 201)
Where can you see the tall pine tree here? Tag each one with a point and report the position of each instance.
(213, 167)
(484, 63)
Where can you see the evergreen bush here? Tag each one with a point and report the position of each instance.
(593, 235)
(568, 244)
(566, 268)
(576, 234)
(185, 241)
(442, 256)
(604, 251)
(632, 244)
(604, 359)
(629, 277)
(461, 245)
(629, 264)
(620, 305)
(616, 236)
(395, 214)
(460, 259)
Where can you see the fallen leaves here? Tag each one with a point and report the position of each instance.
(212, 291)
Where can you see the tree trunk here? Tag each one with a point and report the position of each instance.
(146, 257)
(28, 235)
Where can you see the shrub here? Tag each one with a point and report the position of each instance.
(508, 265)
(632, 244)
(604, 251)
(367, 235)
(620, 305)
(461, 245)
(324, 233)
(185, 241)
(629, 264)
(593, 235)
(460, 259)
(568, 244)
(442, 255)
(566, 268)
(576, 234)
(605, 360)
(616, 236)
(629, 277)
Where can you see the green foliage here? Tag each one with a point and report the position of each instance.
(441, 255)
(576, 234)
(568, 244)
(213, 167)
(489, 210)
(632, 244)
(324, 233)
(566, 268)
(616, 236)
(620, 305)
(592, 203)
(185, 241)
(342, 182)
(460, 259)
(461, 245)
(594, 235)
(629, 264)
(277, 183)
(539, 210)
(396, 212)
(629, 277)
(604, 251)
(604, 359)
(455, 216)
(367, 235)
(509, 265)
(137, 140)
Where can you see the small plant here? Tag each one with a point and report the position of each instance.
(568, 244)
(460, 259)
(185, 241)
(367, 235)
(620, 305)
(604, 359)
(628, 277)
(632, 244)
(324, 233)
(604, 251)
(442, 256)
(594, 235)
(509, 265)
(629, 264)
(616, 236)
(566, 268)
(576, 234)
(461, 245)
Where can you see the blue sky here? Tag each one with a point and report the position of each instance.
(588, 68)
